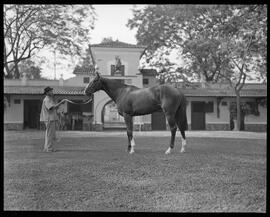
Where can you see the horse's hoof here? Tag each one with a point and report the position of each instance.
(168, 151)
(131, 152)
(183, 151)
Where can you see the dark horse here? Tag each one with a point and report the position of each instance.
(133, 101)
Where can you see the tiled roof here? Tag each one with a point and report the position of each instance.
(40, 89)
(187, 91)
(148, 72)
(224, 92)
(117, 44)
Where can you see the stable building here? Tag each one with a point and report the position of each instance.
(209, 107)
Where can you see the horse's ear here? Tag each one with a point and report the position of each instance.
(96, 70)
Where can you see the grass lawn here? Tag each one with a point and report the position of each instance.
(97, 174)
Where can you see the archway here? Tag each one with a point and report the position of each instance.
(110, 116)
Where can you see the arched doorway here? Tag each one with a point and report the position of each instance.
(110, 117)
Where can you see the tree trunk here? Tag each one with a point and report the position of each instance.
(238, 109)
(8, 75)
(16, 71)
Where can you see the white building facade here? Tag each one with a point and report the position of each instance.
(208, 107)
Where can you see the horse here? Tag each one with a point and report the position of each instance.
(133, 101)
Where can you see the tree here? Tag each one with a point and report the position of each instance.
(29, 28)
(107, 39)
(218, 42)
(31, 70)
(244, 42)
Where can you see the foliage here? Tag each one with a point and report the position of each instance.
(107, 39)
(219, 42)
(215, 40)
(29, 28)
(31, 70)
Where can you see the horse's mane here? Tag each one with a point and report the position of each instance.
(117, 82)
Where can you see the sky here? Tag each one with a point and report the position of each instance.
(111, 22)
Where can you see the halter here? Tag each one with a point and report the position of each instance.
(94, 83)
(91, 97)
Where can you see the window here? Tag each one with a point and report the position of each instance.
(209, 107)
(86, 80)
(145, 81)
(17, 101)
(252, 108)
(120, 72)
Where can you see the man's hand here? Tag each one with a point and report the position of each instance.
(58, 104)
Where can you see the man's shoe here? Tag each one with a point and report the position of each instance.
(52, 150)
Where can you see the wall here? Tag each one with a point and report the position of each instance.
(105, 57)
(152, 81)
(262, 118)
(257, 123)
(76, 81)
(19, 82)
(14, 113)
(212, 121)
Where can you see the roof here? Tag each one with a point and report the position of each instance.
(37, 90)
(117, 44)
(224, 92)
(148, 72)
(204, 92)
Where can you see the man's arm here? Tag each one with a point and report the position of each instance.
(52, 106)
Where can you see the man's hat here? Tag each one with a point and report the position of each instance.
(47, 89)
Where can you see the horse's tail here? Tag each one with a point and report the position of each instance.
(181, 115)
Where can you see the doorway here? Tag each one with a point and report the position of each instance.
(197, 115)
(158, 121)
(31, 114)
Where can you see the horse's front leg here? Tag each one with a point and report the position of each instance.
(129, 123)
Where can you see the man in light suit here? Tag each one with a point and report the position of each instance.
(49, 116)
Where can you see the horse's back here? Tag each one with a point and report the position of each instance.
(171, 98)
(136, 101)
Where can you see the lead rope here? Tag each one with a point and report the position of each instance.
(82, 103)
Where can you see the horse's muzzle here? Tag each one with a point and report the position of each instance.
(88, 94)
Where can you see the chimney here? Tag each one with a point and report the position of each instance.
(24, 79)
(61, 81)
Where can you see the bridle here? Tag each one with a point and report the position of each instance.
(91, 96)
(94, 84)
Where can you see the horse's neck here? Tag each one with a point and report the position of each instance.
(112, 88)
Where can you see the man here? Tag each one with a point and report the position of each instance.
(49, 116)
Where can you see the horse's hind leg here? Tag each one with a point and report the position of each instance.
(181, 122)
(184, 142)
(129, 124)
(173, 128)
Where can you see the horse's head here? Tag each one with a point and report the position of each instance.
(93, 86)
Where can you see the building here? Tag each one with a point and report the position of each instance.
(210, 107)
